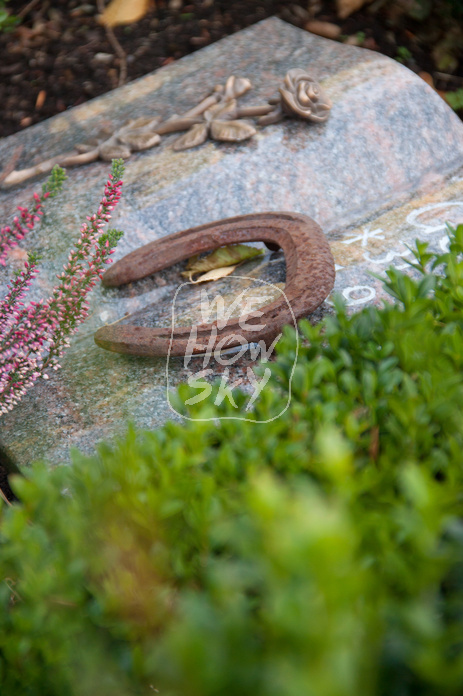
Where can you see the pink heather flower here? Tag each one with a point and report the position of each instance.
(9, 236)
(33, 337)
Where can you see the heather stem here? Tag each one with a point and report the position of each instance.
(33, 337)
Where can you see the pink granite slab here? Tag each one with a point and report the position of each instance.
(390, 149)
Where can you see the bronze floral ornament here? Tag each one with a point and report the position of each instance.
(302, 96)
(135, 135)
(218, 116)
(220, 123)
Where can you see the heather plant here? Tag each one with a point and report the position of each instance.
(34, 336)
(318, 554)
(10, 235)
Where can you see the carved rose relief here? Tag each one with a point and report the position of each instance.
(304, 97)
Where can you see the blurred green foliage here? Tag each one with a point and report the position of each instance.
(320, 554)
(7, 21)
(455, 99)
(403, 54)
(441, 28)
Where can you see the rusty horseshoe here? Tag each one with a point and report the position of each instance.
(309, 279)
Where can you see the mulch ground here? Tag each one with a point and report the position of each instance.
(59, 55)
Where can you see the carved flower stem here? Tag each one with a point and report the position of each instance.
(251, 111)
(203, 106)
(177, 124)
(67, 160)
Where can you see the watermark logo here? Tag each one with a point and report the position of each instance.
(213, 363)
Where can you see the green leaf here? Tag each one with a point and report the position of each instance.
(455, 99)
(55, 181)
(230, 255)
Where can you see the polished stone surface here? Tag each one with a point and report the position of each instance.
(383, 170)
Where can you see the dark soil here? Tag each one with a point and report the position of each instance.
(59, 56)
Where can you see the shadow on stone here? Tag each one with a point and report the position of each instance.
(7, 467)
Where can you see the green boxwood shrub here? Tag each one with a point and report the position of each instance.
(320, 554)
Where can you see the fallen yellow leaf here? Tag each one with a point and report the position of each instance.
(215, 274)
(230, 255)
(124, 12)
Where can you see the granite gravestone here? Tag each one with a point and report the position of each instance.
(383, 170)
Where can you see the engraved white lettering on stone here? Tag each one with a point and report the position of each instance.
(365, 236)
(455, 218)
(444, 243)
(351, 294)
(388, 258)
(427, 220)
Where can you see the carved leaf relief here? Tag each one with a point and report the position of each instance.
(113, 149)
(146, 123)
(140, 140)
(139, 134)
(236, 86)
(195, 136)
(223, 111)
(241, 86)
(232, 131)
(87, 147)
